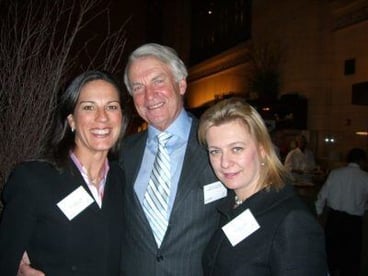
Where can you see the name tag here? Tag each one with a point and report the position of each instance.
(214, 191)
(240, 227)
(74, 203)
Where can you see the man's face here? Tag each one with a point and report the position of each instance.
(157, 96)
(302, 142)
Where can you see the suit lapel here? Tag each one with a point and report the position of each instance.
(132, 158)
(195, 161)
(131, 163)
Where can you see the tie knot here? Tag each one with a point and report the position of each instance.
(163, 138)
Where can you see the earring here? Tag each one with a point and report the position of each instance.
(72, 129)
(262, 163)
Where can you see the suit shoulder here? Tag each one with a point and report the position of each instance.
(288, 201)
(33, 167)
(115, 168)
(29, 174)
(291, 211)
(134, 139)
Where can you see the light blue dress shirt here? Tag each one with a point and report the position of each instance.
(176, 147)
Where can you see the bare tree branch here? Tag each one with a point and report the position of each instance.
(265, 58)
(41, 45)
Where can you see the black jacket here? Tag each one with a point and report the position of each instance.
(289, 242)
(89, 244)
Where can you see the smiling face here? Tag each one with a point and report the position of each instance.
(235, 157)
(97, 118)
(157, 95)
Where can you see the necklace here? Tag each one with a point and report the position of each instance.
(95, 181)
(238, 201)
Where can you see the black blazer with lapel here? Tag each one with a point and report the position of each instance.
(191, 222)
(89, 244)
(289, 242)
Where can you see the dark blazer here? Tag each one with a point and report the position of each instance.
(89, 244)
(191, 222)
(289, 242)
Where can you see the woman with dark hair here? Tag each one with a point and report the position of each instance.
(63, 138)
(65, 210)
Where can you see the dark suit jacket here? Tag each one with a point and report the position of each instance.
(191, 222)
(89, 244)
(289, 242)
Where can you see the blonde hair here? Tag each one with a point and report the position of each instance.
(273, 172)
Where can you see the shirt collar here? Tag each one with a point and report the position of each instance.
(82, 169)
(352, 164)
(180, 128)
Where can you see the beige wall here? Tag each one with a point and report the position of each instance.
(220, 75)
(313, 66)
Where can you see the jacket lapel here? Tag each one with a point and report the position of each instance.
(131, 162)
(195, 161)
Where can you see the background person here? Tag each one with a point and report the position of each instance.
(300, 161)
(156, 78)
(265, 229)
(66, 211)
(345, 194)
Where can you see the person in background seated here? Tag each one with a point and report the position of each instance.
(345, 197)
(64, 211)
(265, 228)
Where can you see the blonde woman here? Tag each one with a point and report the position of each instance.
(265, 229)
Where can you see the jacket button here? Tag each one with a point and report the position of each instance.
(159, 258)
(74, 268)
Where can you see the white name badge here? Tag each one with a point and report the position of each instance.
(75, 202)
(214, 191)
(240, 227)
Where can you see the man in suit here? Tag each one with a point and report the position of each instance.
(156, 79)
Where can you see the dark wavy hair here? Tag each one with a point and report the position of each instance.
(62, 138)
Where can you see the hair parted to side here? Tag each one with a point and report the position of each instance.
(163, 53)
(273, 172)
(62, 139)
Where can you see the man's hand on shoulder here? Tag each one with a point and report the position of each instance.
(25, 268)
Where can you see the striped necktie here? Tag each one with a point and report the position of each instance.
(156, 198)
